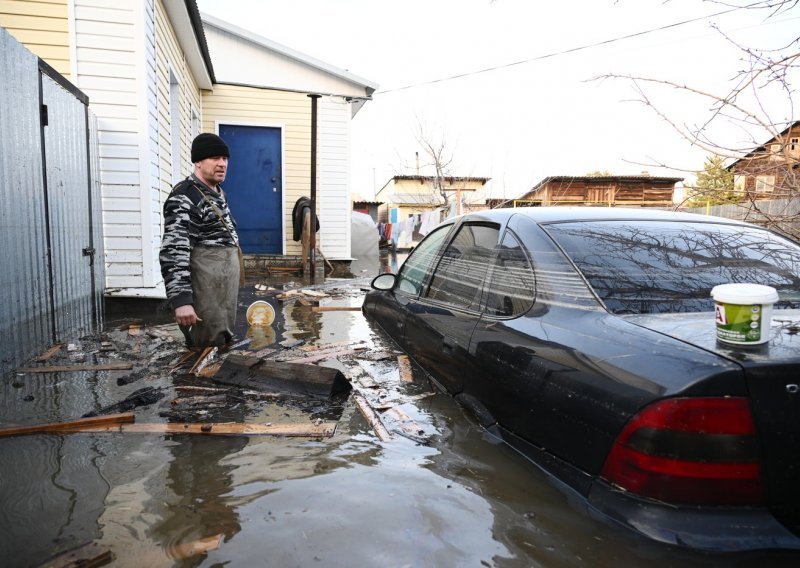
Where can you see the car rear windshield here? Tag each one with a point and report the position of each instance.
(643, 267)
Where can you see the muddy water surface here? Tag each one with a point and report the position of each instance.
(442, 494)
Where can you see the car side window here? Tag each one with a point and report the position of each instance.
(417, 266)
(511, 287)
(458, 278)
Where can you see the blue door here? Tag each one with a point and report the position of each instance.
(253, 186)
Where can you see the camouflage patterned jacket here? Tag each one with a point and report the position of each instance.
(188, 221)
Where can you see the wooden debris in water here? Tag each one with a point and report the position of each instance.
(204, 359)
(69, 425)
(75, 368)
(309, 430)
(404, 364)
(293, 378)
(323, 355)
(372, 418)
(47, 355)
(125, 422)
(88, 555)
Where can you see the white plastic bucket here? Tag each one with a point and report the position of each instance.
(743, 312)
(260, 313)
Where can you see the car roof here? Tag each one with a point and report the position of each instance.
(564, 214)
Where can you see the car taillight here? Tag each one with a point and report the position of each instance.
(690, 451)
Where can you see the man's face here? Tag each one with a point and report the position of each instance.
(212, 170)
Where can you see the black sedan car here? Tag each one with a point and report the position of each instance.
(586, 338)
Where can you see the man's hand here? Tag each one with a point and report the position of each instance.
(186, 316)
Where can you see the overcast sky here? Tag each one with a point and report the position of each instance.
(506, 85)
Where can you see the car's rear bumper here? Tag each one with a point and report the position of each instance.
(701, 528)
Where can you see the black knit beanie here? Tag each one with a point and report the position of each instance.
(207, 145)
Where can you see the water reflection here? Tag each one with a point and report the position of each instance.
(260, 336)
(200, 482)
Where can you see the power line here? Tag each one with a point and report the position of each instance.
(563, 52)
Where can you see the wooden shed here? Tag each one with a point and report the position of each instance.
(638, 191)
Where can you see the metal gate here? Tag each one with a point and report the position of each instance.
(50, 285)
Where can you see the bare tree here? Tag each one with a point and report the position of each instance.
(759, 105)
(438, 156)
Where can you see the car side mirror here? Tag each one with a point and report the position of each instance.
(384, 281)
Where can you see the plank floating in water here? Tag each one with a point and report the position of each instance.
(124, 422)
(310, 430)
(404, 365)
(73, 368)
(372, 418)
(70, 425)
(88, 555)
(292, 378)
(336, 309)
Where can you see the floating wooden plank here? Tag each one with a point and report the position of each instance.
(88, 555)
(199, 389)
(70, 425)
(160, 334)
(404, 365)
(210, 370)
(74, 368)
(182, 359)
(336, 309)
(47, 355)
(309, 430)
(190, 549)
(404, 424)
(321, 356)
(372, 418)
(292, 378)
(205, 358)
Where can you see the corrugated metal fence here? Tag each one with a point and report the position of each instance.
(785, 212)
(51, 257)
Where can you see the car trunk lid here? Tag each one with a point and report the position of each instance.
(772, 375)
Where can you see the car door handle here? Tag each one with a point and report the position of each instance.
(449, 344)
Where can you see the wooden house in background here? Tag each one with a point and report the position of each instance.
(771, 171)
(408, 200)
(631, 191)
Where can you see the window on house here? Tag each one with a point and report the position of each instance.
(195, 120)
(794, 146)
(175, 126)
(765, 184)
(775, 152)
(739, 184)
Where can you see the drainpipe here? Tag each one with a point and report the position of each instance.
(312, 244)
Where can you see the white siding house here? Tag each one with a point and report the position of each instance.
(142, 67)
(262, 83)
(142, 64)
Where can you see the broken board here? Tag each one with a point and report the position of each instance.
(291, 378)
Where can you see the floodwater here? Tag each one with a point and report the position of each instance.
(441, 493)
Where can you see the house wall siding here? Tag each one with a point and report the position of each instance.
(169, 58)
(110, 67)
(42, 27)
(333, 189)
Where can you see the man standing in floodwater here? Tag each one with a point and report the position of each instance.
(200, 256)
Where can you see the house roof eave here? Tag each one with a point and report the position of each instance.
(369, 87)
(185, 19)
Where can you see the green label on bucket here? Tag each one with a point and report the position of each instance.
(741, 324)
